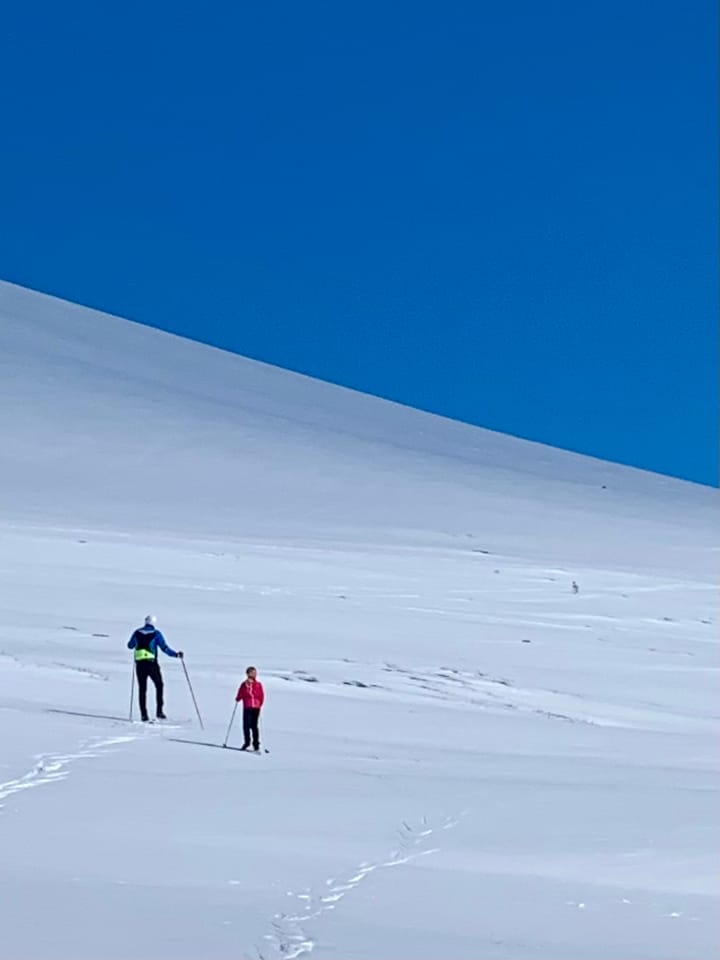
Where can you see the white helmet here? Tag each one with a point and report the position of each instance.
(150, 620)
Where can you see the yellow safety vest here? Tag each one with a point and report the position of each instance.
(144, 655)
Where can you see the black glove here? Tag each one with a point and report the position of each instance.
(181, 654)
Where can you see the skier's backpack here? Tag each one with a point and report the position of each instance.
(143, 645)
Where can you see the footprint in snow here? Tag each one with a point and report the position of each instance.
(289, 939)
(52, 767)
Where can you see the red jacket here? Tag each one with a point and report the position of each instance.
(251, 694)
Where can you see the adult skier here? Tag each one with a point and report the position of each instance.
(252, 696)
(145, 642)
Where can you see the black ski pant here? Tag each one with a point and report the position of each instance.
(149, 670)
(251, 715)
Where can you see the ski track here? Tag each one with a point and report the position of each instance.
(51, 767)
(289, 939)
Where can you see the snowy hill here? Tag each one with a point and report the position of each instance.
(467, 758)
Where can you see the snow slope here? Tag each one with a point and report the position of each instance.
(467, 759)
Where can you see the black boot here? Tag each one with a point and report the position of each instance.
(161, 715)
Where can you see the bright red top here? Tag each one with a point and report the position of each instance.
(251, 694)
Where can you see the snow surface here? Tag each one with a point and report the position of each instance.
(467, 760)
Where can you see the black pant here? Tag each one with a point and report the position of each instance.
(149, 669)
(251, 715)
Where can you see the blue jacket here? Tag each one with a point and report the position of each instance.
(157, 640)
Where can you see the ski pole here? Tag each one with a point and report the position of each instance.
(132, 691)
(192, 692)
(232, 720)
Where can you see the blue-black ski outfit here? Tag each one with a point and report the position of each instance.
(146, 641)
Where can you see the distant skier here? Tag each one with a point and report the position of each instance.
(575, 587)
(145, 642)
(252, 696)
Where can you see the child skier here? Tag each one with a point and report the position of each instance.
(252, 696)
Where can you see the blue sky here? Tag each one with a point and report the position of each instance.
(502, 212)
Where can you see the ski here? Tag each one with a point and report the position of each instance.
(93, 716)
(109, 716)
(218, 746)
